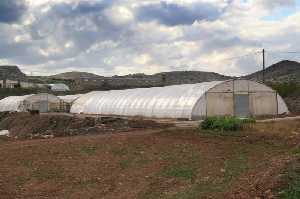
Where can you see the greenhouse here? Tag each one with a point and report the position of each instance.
(68, 100)
(41, 102)
(240, 98)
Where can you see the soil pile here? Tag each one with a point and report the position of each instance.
(25, 125)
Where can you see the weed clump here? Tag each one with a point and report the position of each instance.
(225, 123)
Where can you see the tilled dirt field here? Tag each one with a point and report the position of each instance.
(151, 164)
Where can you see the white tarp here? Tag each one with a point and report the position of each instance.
(4, 133)
(22, 103)
(162, 102)
(190, 101)
(12, 103)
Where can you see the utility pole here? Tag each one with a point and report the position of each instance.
(264, 67)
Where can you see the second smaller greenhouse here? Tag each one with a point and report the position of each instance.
(42, 102)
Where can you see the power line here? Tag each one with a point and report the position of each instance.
(284, 52)
(242, 56)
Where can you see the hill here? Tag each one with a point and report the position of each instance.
(143, 81)
(189, 77)
(75, 75)
(11, 72)
(284, 71)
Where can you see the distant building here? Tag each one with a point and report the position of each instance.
(9, 83)
(6, 83)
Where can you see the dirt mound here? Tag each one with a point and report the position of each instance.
(25, 125)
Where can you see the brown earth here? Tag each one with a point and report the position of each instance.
(25, 125)
(174, 163)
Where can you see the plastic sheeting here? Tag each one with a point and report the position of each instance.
(42, 102)
(70, 98)
(189, 101)
(59, 87)
(175, 101)
(12, 103)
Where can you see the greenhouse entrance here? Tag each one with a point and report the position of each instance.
(241, 105)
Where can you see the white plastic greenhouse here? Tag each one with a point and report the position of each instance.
(42, 102)
(241, 98)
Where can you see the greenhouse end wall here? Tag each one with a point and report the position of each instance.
(240, 98)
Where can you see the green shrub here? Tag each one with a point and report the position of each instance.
(225, 123)
(292, 190)
(287, 89)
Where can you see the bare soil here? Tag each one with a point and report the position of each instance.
(151, 164)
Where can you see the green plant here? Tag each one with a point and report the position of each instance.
(88, 150)
(225, 123)
(287, 89)
(293, 189)
(179, 171)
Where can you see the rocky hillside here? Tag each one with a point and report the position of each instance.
(284, 71)
(142, 80)
(189, 77)
(11, 72)
(75, 75)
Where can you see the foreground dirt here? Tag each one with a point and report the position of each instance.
(146, 164)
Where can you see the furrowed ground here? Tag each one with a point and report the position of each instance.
(146, 164)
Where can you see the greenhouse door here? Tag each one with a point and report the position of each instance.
(41, 106)
(241, 105)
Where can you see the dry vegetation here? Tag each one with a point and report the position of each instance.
(146, 164)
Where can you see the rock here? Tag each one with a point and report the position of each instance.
(48, 136)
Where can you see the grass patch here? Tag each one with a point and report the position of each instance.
(296, 151)
(21, 180)
(179, 171)
(48, 173)
(225, 123)
(119, 151)
(235, 166)
(197, 191)
(88, 150)
(124, 164)
(292, 190)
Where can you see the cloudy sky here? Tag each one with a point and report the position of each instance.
(111, 37)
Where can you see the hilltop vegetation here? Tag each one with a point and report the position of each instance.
(284, 71)
(75, 75)
(11, 72)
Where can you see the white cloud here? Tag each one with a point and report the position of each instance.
(119, 15)
(108, 37)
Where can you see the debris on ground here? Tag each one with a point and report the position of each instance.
(4, 133)
(26, 125)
